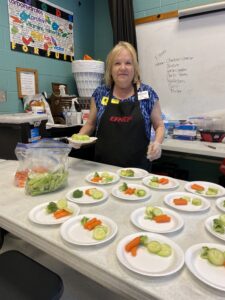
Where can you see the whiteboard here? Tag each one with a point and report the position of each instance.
(184, 61)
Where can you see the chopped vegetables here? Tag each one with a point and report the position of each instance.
(80, 137)
(156, 214)
(59, 209)
(103, 177)
(153, 247)
(131, 191)
(219, 224)
(213, 255)
(155, 181)
(127, 173)
(100, 231)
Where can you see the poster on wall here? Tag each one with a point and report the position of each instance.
(41, 28)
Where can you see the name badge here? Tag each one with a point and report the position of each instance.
(105, 100)
(115, 101)
(143, 95)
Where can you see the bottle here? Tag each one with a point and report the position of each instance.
(73, 112)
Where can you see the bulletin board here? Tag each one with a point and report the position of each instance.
(184, 61)
(41, 28)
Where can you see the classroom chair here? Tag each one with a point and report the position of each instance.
(22, 278)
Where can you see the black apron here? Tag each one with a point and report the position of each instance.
(122, 140)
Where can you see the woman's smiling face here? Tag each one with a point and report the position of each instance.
(123, 69)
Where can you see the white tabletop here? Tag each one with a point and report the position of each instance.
(195, 147)
(100, 263)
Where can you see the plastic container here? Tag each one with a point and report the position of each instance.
(88, 75)
(20, 127)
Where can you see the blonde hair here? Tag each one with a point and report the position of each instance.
(111, 57)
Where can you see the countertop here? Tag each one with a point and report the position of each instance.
(195, 147)
(100, 263)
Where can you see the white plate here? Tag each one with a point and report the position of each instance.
(213, 276)
(138, 173)
(85, 199)
(73, 232)
(206, 185)
(168, 199)
(172, 184)
(138, 219)
(76, 142)
(219, 203)
(39, 215)
(117, 193)
(149, 264)
(91, 175)
(209, 225)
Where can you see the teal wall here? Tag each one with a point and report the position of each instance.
(49, 70)
(92, 35)
(144, 8)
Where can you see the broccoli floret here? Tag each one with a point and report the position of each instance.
(52, 207)
(77, 194)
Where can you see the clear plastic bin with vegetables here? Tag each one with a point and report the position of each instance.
(47, 162)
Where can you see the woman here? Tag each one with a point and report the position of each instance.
(122, 112)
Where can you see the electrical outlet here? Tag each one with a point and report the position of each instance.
(2, 96)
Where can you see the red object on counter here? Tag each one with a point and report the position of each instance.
(222, 167)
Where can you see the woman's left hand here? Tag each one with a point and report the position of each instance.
(154, 151)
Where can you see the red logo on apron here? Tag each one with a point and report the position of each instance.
(116, 119)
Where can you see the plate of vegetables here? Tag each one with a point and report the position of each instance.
(206, 189)
(220, 203)
(150, 254)
(87, 195)
(160, 182)
(88, 230)
(131, 192)
(186, 202)
(52, 213)
(81, 139)
(156, 219)
(216, 226)
(206, 261)
(132, 173)
(102, 178)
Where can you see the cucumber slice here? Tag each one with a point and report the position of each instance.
(149, 210)
(62, 203)
(100, 232)
(153, 184)
(187, 198)
(196, 201)
(140, 193)
(165, 251)
(212, 191)
(216, 257)
(97, 194)
(157, 211)
(154, 247)
(222, 218)
(155, 179)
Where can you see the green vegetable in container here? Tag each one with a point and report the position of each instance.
(38, 184)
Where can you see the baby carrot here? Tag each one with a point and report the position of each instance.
(96, 179)
(61, 213)
(93, 224)
(89, 222)
(197, 187)
(180, 201)
(162, 218)
(163, 180)
(133, 243)
(134, 251)
(129, 191)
